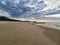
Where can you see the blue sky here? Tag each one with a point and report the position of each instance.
(30, 8)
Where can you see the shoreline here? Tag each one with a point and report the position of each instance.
(25, 33)
(47, 25)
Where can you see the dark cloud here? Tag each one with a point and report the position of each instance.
(19, 9)
(52, 12)
(14, 11)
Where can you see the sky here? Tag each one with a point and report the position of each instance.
(30, 9)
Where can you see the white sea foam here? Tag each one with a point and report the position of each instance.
(55, 25)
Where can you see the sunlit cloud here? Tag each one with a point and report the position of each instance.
(55, 15)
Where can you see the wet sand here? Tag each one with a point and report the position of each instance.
(24, 33)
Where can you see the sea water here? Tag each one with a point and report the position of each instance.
(55, 25)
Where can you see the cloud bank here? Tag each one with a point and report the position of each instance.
(29, 8)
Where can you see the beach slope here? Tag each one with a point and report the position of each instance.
(24, 33)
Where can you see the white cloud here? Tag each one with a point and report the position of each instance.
(3, 2)
(16, 1)
(51, 4)
(55, 15)
(3, 13)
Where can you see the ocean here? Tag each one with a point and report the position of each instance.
(55, 25)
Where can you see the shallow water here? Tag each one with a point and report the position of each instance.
(49, 24)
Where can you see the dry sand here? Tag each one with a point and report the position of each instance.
(24, 33)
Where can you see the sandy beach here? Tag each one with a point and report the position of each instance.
(24, 33)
